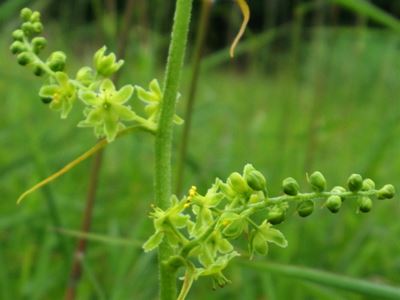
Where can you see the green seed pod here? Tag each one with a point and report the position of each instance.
(17, 47)
(237, 183)
(35, 17)
(38, 70)
(290, 186)
(276, 216)
(38, 43)
(56, 61)
(368, 184)
(333, 203)
(18, 35)
(355, 182)
(46, 100)
(26, 14)
(305, 208)
(259, 244)
(364, 204)
(37, 27)
(317, 181)
(387, 192)
(234, 229)
(27, 28)
(24, 58)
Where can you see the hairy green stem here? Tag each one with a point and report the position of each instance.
(163, 141)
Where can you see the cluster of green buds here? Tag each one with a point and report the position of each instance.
(105, 107)
(201, 228)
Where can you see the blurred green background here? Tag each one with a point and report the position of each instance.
(315, 86)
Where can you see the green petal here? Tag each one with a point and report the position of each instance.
(123, 94)
(145, 96)
(47, 91)
(95, 116)
(124, 112)
(178, 120)
(66, 108)
(89, 97)
(155, 88)
(62, 78)
(153, 241)
(111, 126)
(107, 85)
(276, 237)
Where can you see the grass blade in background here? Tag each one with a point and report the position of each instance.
(359, 286)
(363, 7)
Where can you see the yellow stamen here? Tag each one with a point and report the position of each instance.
(244, 7)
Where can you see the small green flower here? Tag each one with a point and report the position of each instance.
(60, 95)
(106, 109)
(106, 65)
(153, 99)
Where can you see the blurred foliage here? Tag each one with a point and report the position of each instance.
(320, 93)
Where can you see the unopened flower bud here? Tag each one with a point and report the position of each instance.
(387, 192)
(56, 61)
(18, 35)
(27, 28)
(317, 181)
(234, 226)
(37, 27)
(333, 203)
(237, 183)
(38, 70)
(255, 179)
(38, 43)
(24, 58)
(290, 186)
(35, 17)
(355, 182)
(26, 14)
(364, 204)
(276, 216)
(17, 47)
(368, 184)
(305, 208)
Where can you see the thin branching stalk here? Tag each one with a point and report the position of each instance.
(163, 141)
(79, 253)
(196, 61)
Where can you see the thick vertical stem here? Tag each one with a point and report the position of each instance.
(163, 142)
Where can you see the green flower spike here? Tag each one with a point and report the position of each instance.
(61, 95)
(105, 109)
(153, 99)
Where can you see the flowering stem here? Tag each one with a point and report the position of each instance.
(163, 141)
